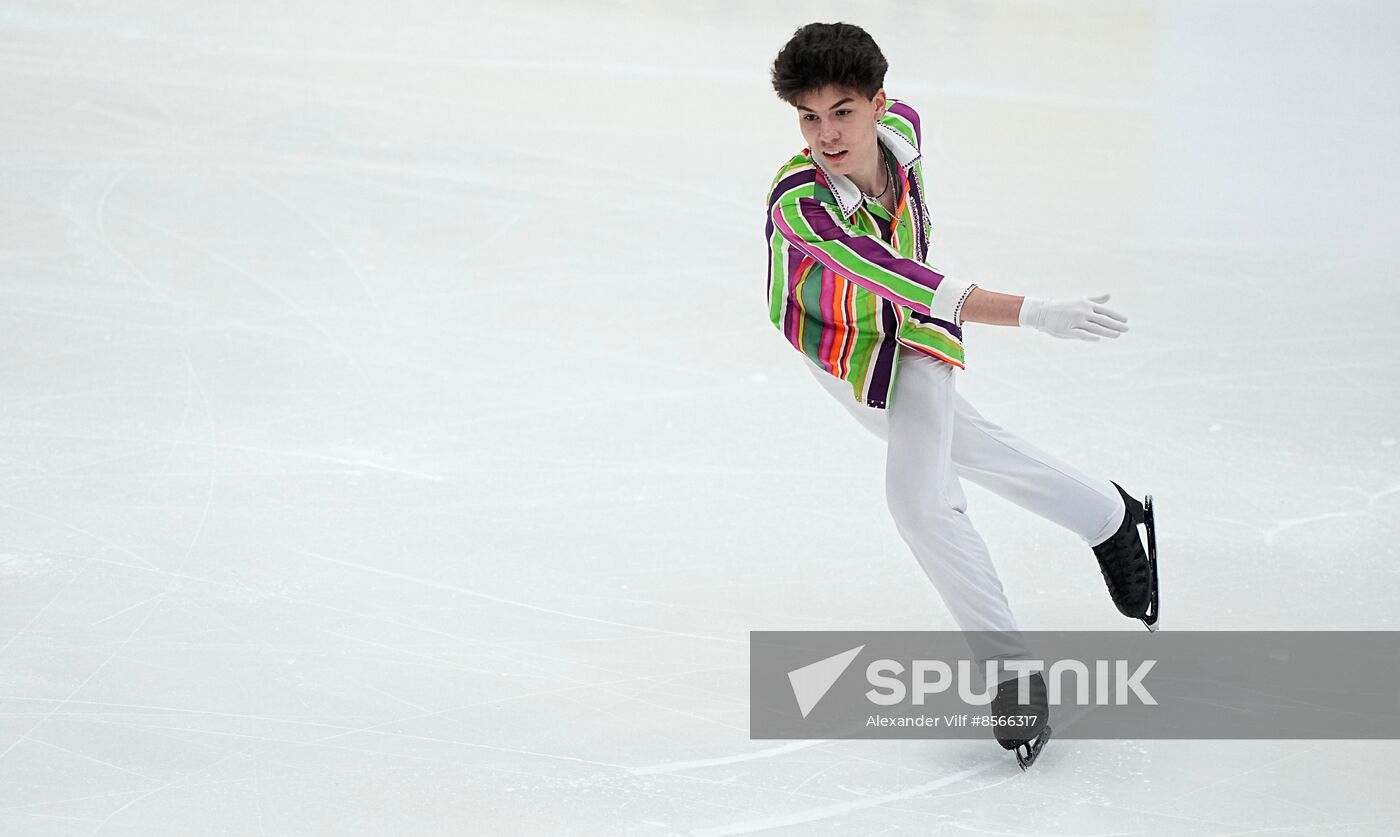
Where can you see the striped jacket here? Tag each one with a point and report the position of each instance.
(847, 283)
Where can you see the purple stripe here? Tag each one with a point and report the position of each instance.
(768, 236)
(790, 314)
(955, 331)
(902, 109)
(879, 392)
(916, 203)
(790, 182)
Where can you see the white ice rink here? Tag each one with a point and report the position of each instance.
(393, 440)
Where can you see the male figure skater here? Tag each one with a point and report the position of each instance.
(881, 331)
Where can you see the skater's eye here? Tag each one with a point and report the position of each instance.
(842, 112)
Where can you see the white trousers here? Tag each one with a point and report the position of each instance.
(934, 436)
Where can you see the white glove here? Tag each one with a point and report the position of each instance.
(1073, 318)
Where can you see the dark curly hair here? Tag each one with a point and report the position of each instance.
(820, 54)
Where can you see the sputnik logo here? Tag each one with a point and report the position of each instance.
(811, 682)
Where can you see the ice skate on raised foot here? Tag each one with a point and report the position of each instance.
(1130, 571)
(1010, 715)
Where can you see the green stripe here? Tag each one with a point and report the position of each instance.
(901, 125)
(809, 290)
(932, 339)
(867, 306)
(778, 292)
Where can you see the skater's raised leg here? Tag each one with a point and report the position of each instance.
(1013, 468)
(1098, 510)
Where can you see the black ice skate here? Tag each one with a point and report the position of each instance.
(1131, 573)
(1010, 715)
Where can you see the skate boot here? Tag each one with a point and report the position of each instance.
(1128, 570)
(1010, 715)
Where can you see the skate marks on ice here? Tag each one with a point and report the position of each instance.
(994, 760)
(678, 766)
(837, 809)
(211, 426)
(442, 585)
(1271, 533)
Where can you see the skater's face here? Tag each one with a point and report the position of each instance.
(840, 121)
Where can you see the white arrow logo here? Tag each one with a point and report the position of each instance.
(811, 682)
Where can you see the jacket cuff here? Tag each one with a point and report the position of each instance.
(948, 299)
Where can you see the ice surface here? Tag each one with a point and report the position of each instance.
(394, 442)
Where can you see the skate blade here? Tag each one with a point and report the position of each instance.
(1026, 754)
(1153, 619)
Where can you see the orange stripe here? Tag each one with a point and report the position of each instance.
(903, 199)
(848, 305)
(838, 316)
(926, 350)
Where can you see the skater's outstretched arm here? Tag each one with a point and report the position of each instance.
(819, 231)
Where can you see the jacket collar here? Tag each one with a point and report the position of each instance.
(847, 194)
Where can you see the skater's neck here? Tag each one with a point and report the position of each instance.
(874, 179)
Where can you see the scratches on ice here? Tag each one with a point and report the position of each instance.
(823, 812)
(452, 588)
(678, 766)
